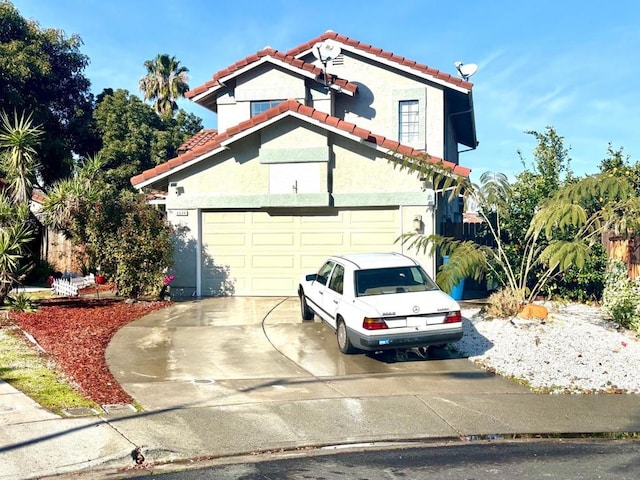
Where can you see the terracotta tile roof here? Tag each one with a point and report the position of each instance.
(294, 107)
(384, 55)
(200, 138)
(317, 72)
(472, 217)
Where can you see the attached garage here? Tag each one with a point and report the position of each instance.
(256, 208)
(265, 252)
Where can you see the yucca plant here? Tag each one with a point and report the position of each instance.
(21, 302)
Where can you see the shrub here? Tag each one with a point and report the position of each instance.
(504, 303)
(621, 296)
(20, 302)
(584, 285)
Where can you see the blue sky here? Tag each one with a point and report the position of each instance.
(570, 64)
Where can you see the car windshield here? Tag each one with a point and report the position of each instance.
(382, 281)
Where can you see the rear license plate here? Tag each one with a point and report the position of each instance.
(433, 320)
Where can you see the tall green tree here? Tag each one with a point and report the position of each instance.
(164, 83)
(134, 138)
(42, 72)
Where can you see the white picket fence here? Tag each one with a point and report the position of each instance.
(69, 287)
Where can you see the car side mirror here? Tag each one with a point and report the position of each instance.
(312, 277)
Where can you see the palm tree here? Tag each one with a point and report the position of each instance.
(164, 83)
(67, 197)
(18, 142)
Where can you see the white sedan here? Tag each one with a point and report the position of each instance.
(380, 301)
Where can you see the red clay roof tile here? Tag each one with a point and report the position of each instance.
(200, 138)
(256, 57)
(380, 53)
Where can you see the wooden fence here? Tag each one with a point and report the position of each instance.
(625, 249)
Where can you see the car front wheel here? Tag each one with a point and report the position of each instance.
(305, 311)
(344, 344)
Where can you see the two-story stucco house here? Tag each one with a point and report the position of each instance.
(298, 168)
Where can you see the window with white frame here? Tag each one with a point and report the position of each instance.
(262, 106)
(408, 121)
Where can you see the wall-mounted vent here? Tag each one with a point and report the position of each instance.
(339, 60)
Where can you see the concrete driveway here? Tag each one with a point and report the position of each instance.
(241, 350)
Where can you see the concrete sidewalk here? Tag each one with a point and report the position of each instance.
(35, 443)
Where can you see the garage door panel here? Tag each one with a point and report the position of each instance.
(316, 238)
(263, 254)
(233, 261)
(273, 219)
(279, 262)
(221, 240)
(321, 221)
(284, 285)
(373, 239)
(311, 263)
(273, 239)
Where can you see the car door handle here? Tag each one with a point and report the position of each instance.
(335, 301)
(320, 293)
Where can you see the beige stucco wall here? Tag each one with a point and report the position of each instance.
(260, 84)
(359, 168)
(291, 132)
(233, 171)
(375, 107)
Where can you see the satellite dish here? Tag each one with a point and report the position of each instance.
(467, 70)
(326, 51)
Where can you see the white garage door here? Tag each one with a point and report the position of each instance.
(260, 253)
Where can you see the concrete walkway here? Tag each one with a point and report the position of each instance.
(227, 377)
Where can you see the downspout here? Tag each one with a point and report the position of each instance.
(199, 254)
(401, 228)
(434, 210)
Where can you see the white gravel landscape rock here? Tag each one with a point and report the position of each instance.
(575, 350)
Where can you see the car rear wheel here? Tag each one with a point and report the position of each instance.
(344, 344)
(305, 311)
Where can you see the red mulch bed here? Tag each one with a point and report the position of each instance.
(75, 332)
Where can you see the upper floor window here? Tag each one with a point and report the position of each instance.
(258, 107)
(408, 119)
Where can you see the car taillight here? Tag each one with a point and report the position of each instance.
(453, 317)
(373, 324)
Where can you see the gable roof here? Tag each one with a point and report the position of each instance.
(287, 108)
(385, 57)
(269, 55)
